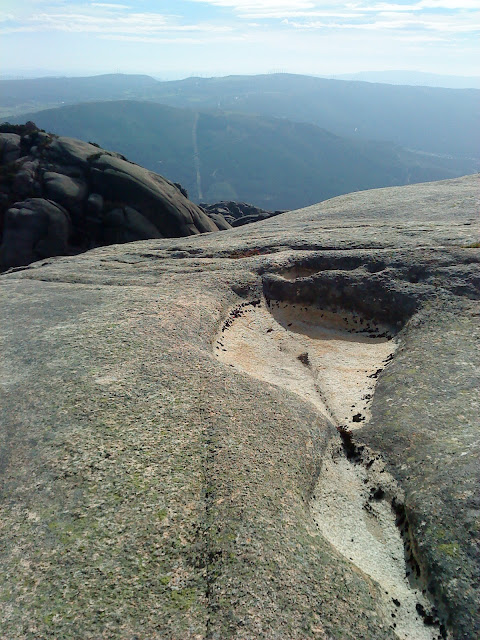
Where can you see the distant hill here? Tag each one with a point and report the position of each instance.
(434, 120)
(273, 163)
(414, 78)
(31, 94)
(428, 119)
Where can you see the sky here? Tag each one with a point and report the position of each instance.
(178, 38)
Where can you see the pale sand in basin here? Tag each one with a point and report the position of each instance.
(311, 353)
(332, 360)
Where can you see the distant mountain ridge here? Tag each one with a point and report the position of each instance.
(270, 162)
(412, 78)
(24, 95)
(428, 119)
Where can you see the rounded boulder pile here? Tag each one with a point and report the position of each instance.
(60, 196)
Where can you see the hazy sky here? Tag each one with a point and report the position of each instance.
(240, 36)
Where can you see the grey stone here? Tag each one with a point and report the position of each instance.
(426, 423)
(64, 170)
(248, 219)
(67, 191)
(9, 147)
(220, 221)
(131, 451)
(26, 183)
(238, 213)
(33, 229)
(95, 205)
(152, 195)
(68, 170)
(43, 138)
(70, 151)
(127, 225)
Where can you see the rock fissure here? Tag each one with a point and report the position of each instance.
(209, 553)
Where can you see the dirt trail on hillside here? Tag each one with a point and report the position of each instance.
(196, 156)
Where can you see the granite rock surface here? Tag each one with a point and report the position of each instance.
(150, 490)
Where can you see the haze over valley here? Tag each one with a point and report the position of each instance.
(278, 141)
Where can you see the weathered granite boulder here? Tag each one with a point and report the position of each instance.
(164, 475)
(127, 225)
(26, 182)
(220, 221)
(99, 189)
(33, 229)
(9, 147)
(237, 213)
(70, 151)
(256, 217)
(95, 204)
(67, 191)
(118, 179)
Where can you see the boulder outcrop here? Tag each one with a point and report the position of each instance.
(238, 213)
(270, 432)
(34, 229)
(106, 198)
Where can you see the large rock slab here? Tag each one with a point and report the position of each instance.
(70, 151)
(127, 225)
(26, 182)
(118, 180)
(69, 192)
(152, 490)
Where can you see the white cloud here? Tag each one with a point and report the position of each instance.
(440, 5)
(385, 7)
(137, 24)
(454, 5)
(273, 9)
(398, 21)
(249, 5)
(110, 5)
(268, 15)
(420, 39)
(264, 8)
(299, 35)
(208, 37)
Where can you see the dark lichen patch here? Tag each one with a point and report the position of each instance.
(304, 359)
(358, 417)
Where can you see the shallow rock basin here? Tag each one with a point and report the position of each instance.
(333, 360)
(329, 359)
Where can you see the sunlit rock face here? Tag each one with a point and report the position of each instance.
(269, 432)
